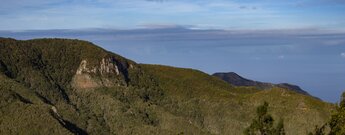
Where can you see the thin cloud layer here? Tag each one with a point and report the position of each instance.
(298, 56)
(203, 14)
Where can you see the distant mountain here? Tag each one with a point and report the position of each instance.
(237, 80)
(63, 86)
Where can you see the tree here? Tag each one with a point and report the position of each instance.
(336, 123)
(319, 130)
(263, 123)
(279, 130)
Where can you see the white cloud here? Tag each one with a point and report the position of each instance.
(342, 54)
(57, 14)
(335, 42)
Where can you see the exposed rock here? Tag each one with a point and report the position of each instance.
(82, 68)
(108, 67)
(85, 77)
(84, 81)
(302, 106)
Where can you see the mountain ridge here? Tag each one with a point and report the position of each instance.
(66, 86)
(237, 80)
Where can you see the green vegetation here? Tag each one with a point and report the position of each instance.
(220, 108)
(37, 95)
(49, 63)
(22, 112)
(336, 125)
(263, 123)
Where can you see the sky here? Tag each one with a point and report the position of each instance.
(199, 14)
(295, 41)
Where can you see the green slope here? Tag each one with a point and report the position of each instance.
(222, 109)
(73, 86)
(22, 112)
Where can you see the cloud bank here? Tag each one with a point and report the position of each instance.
(306, 57)
(203, 14)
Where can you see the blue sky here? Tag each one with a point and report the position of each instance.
(202, 14)
(295, 41)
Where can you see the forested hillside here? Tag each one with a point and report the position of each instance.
(63, 86)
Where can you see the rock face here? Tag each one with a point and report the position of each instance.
(237, 80)
(64, 63)
(104, 74)
(82, 79)
(108, 66)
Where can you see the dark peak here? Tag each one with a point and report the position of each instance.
(227, 73)
(292, 87)
(288, 84)
(3, 38)
(237, 80)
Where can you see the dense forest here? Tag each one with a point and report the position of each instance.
(64, 86)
